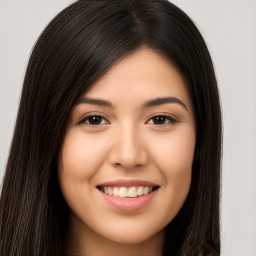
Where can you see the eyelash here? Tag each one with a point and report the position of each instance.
(87, 118)
(168, 120)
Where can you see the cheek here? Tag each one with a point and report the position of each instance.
(174, 153)
(80, 156)
(174, 158)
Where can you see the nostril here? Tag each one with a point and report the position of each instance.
(128, 154)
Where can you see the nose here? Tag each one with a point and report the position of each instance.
(127, 149)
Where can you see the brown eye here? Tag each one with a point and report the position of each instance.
(162, 120)
(159, 120)
(94, 120)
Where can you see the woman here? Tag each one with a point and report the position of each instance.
(117, 144)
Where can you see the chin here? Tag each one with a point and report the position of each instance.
(129, 236)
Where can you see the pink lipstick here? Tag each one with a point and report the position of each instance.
(128, 196)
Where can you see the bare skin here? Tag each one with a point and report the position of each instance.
(134, 128)
(150, 247)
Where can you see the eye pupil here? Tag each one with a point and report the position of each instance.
(159, 120)
(94, 120)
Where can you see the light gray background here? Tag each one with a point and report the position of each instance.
(229, 28)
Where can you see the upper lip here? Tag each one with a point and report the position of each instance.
(127, 183)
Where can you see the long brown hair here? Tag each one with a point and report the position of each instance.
(80, 45)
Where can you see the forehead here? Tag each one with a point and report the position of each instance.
(142, 75)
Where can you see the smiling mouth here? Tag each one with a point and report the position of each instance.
(127, 192)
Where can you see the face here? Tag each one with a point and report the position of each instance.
(126, 161)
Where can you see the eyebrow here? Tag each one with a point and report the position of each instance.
(98, 102)
(164, 100)
(149, 103)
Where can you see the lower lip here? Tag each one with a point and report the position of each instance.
(129, 204)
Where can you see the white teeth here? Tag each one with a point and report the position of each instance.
(116, 192)
(123, 192)
(145, 190)
(140, 191)
(109, 191)
(131, 192)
